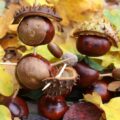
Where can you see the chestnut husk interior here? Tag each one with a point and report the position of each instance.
(62, 85)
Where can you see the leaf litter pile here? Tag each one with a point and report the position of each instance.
(59, 60)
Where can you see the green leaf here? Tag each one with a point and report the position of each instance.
(80, 57)
(93, 64)
(2, 7)
(34, 94)
(113, 16)
(5, 113)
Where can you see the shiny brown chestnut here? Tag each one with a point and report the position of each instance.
(87, 75)
(83, 111)
(101, 87)
(95, 37)
(35, 30)
(116, 73)
(19, 108)
(35, 27)
(32, 69)
(93, 45)
(55, 50)
(52, 108)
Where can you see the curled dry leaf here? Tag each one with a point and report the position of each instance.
(10, 40)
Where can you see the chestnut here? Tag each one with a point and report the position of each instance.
(35, 30)
(114, 86)
(101, 87)
(55, 50)
(116, 73)
(52, 108)
(18, 107)
(32, 69)
(83, 111)
(87, 75)
(93, 45)
(95, 37)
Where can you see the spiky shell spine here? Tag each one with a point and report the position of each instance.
(38, 10)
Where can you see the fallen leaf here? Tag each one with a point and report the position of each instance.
(6, 83)
(77, 10)
(111, 109)
(5, 113)
(6, 19)
(37, 2)
(93, 98)
(110, 58)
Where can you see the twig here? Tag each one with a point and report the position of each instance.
(46, 86)
(16, 93)
(34, 50)
(62, 61)
(106, 75)
(61, 71)
(57, 76)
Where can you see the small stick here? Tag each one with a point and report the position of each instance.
(62, 61)
(61, 71)
(46, 86)
(57, 76)
(34, 50)
(107, 74)
(53, 64)
(16, 93)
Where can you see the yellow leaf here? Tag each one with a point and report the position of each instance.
(6, 83)
(41, 2)
(13, 28)
(69, 46)
(93, 98)
(77, 10)
(110, 58)
(112, 109)
(7, 19)
(2, 52)
(5, 113)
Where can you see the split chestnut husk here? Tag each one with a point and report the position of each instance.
(61, 85)
(94, 38)
(39, 10)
